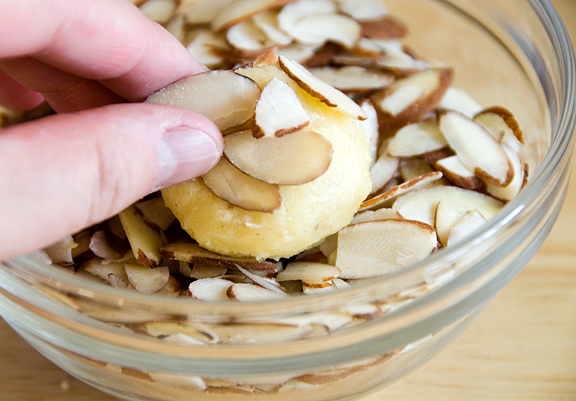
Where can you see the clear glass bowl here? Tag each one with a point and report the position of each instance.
(514, 53)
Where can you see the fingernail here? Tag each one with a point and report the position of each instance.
(183, 154)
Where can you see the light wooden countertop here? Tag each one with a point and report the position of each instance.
(523, 347)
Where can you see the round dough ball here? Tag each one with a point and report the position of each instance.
(308, 213)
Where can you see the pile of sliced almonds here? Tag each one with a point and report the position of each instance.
(442, 165)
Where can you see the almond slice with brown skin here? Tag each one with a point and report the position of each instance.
(476, 148)
(209, 289)
(309, 272)
(294, 12)
(146, 280)
(251, 292)
(409, 99)
(193, 253)
(458, 173)
(381, 200)
(259, 333)
(377, 248)
(373, 215)
(293, 159)
(353, 78)
(366, 10)
(264, 282)
(278, 111)
(240, 189)
(417, 139)
(240, 10)
(223, 96)
(331, 27)
(421, 204)
(508, 192)
(104, 270)
(320, 90)
(144, 240)
(465, 226)
(500, 122)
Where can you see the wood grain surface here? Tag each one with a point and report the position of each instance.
(523, 347)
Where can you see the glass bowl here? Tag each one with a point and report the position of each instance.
(137, 347)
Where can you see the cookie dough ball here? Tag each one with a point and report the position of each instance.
(307, 213)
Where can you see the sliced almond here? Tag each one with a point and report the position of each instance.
(171, 289)
(267, 21)
(373, 215)
(293, 159)
(353, 78)
(370, 126)
(476, 148)
(382, 199)
(465, 226)
(320, 90)
(264, 282)
(156, 212)
(237, 188)
(386, 27)
(247, 36)
(259, 333)
(508, 192)
(193, 253)
(297, 52)
(292, 13)
(146, 280)
(331, 27)
(421, 205)
(376, 248)
(413, 168)
(417, 139)
(250, 292)
(199, 271)
(61, 252)
(223, 96)
(308, 272)
(455, 171)
(409, 99)
(209, 47)
(240, 10)
(144, 240)
(267, 58)
(458, 100)
(500, 122)
(209, 289)
(366, 10)
(278, 111)
(159, 10)
(104, 270)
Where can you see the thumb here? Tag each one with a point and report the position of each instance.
(62, 173)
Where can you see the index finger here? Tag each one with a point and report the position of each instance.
(109, 41)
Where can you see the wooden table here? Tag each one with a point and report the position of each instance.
(523, 347)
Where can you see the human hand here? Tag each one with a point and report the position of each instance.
(64, 172)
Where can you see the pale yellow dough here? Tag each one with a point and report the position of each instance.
(308, 213)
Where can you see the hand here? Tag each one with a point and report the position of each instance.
(64, 172)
